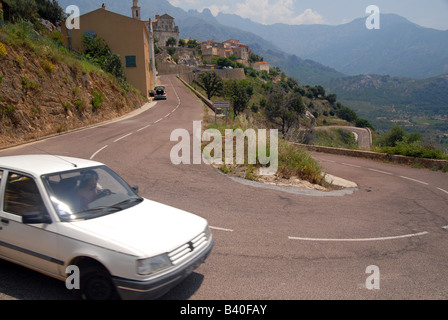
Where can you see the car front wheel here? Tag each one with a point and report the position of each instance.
(96, 284)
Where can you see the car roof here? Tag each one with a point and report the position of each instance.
(38, 165)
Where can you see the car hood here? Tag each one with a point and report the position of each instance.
(147, 229)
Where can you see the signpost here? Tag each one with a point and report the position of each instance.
(221, 105)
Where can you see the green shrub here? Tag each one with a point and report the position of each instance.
(398, 141)
(28, 84)
(296, 161)
(415, 149)
(97, 99)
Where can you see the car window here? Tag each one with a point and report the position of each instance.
(86, 193)
(22, 195)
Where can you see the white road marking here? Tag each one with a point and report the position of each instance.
(350, 165)
(413, 180)
(379, 171)
(98, 151)
(127, 135)
(221, 229)
(328, 160)
(361, 239)
(442, 190)
(158, 120)
(144, 128)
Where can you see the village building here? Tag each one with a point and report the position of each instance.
(128, 37)
(261, 66)
(164, 28)
(226, 49)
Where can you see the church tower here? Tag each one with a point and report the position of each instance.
(135, 10)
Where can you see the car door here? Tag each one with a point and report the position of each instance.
(31, 244)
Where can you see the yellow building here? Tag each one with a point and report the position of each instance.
(261, 66)
(125, 36)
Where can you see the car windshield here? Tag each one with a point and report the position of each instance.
(88, 193)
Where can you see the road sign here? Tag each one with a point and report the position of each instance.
(221, 104)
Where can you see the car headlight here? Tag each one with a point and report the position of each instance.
(153, 265)
(208, 233)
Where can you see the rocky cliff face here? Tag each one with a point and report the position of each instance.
(39, 97)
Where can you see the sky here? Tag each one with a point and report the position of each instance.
(430, 13)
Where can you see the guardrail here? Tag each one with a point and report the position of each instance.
(207, 102)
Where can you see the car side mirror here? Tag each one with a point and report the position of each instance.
(135, 188)
(35, 217)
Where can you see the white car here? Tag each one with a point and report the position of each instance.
(59, 214)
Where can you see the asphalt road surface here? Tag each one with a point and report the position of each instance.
(387, 239)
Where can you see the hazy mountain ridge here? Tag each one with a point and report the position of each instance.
(353, 49)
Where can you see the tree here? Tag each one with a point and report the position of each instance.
(240, 93)
(97, 51)
(332, 98)
(347, 114)
(50, 10)
(393, 137)
(284, 108)
(171, 42)
(193, 44)
(23, 9)
(211, 83)
(255, 58)
(363, 123)
(31, 10)
(224, 62)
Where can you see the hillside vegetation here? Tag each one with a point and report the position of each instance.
(419, 105)
(45, 89)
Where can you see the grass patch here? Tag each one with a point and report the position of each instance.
(336, 138)
(295, 161)
(97, 99)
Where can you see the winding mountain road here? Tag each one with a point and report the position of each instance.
(271, 243)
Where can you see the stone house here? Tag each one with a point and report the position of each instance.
(165, 28)
(261, 66)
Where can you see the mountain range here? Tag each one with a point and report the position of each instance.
(399, 48)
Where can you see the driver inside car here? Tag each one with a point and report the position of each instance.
(87, 190)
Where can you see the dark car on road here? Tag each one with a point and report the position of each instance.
(159, 93)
